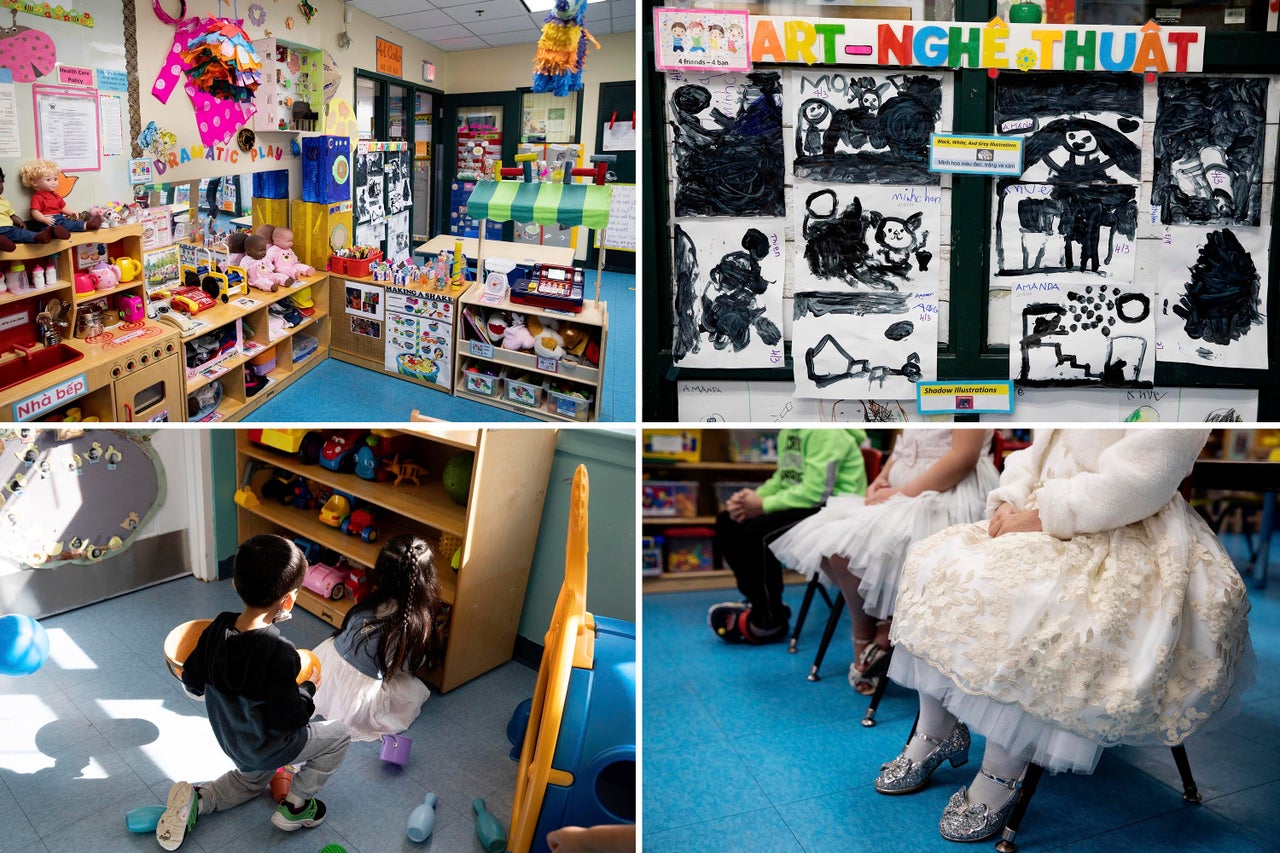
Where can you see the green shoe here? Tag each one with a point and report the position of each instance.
(181, 810)
(287, 818)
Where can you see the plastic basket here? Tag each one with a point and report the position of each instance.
(669, 498)
(568, 405)
(524, 393)
(673, 445)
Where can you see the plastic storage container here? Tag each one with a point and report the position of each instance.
(669, 498)
(480, 378)
(303, 346)
(673, 445)
(753, 445)
(520, 390)
(690, 549)
(576, 406)
(728, 488)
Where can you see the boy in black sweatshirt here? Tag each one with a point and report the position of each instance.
(247, 675)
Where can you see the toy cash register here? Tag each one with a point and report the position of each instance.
(551, 286)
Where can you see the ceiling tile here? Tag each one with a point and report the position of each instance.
(597, 12)
(503, 25)
(419, 20)
(465, 13)
(470, 43)
(624, 16)
(528, 37)
(382, 8)
(449, 4)
(434, 35)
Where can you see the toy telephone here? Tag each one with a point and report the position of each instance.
(191, 300)
(183, 323)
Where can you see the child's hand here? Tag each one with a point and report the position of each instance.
(748, 505)
(880, 495)
(1014, 521)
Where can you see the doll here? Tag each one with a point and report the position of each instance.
(281, 254)
(258, 267)
(235, 248)
(41, 177)
(13, 230)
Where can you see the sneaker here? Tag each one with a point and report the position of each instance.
(726, 619)
(181, 810)
(288, 818)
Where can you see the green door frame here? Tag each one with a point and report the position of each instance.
(967, 356)
(509, 101)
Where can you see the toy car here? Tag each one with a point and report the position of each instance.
(302, 497)
(325, 581)
(358, 583)
(335, 511)
(304, 442)
(339, 450)
(309, 549)
(360, 523)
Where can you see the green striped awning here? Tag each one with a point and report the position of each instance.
(545, 204)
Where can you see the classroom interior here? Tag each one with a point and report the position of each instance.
(103, 728)
(769, 742)
(359, 131)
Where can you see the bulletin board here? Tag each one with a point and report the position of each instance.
(67, 129)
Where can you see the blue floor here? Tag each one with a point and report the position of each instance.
(103, 728)
(741, 751)
(337, 392)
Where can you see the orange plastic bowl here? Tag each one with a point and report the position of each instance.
(181, 642)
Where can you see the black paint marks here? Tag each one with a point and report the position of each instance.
(817, 303)
(734, 167)
(1221, 300)
(1208, 140)
(685, 261)
(836, 244)
(899, 330)
(729, 316)
(1047, 341)
(1078, 215)
(870, 132)
(828, 362)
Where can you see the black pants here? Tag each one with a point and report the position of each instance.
(757, 571)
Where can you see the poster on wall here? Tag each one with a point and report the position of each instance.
(363, 300)
(728, 293)
(67, 127)
(1213, 300)
(398, 237)
(397, 180)
(726, 143)
(420, 335)
(1076, 128)
(1209, 137)
(865, 128)
(700, 38)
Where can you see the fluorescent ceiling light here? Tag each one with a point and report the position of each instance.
(546, 5)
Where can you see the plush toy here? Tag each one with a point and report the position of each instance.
(42, 177)
(518, 336)
(496, 325)
(14, 230)
(281, 253)
(262, 274)
(548, 343)
(576, 339)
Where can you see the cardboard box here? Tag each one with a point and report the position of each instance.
(319, 229)
(326, 169)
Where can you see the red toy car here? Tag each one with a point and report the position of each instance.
(358, 583)
(361, 523)
(339, 451)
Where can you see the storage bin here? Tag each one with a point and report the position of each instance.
(673, 445)
(753, 445)
(669, 498)
(690, 549)
(482, 379)
(303, 346)
(522, 390)
(651, 555)
(728, 488)
(569, 405)
(360, 267)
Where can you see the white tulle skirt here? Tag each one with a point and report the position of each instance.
(370, 707)
(1055, 649)
(876, 539)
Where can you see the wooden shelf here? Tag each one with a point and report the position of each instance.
(727, 467)
(539, 412)
(522, 360)
(680, 521)
(98, 294)
(36, 251)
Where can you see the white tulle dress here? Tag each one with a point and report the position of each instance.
(1123, 622)
(370, 706)
(875, 539)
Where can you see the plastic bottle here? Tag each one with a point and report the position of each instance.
(488, 829)
(51, 275)
(16, 278)
(422, 820)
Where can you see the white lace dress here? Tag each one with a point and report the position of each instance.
(875, 539)
(1124, 622)
(370, 707)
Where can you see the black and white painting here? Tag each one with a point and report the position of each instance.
(1213, 296)
(1209, 138)
(873, 345)
(398, 180)
(866, 237)
(369, 198)
(1075, 233)
(398, 237)
(865, 128)
(726, 143)
(1076, 128)
(728, 293)
(1065, 333)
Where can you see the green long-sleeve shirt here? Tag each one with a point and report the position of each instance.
(803, 458)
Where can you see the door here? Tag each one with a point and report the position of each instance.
(481, 127)
(618, 108)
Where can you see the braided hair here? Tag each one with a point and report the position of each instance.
(404, 574)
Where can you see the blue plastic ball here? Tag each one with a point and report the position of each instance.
(24, 645)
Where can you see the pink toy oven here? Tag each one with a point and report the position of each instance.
(131, 308)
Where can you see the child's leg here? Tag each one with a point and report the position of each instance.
(936, 722)
(327, 742)
(998, 763)
(231, 789)
(864, 627)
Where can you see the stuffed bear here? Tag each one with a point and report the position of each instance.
(576, 339)
(517, 336)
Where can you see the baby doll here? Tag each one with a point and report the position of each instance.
(13, 230)
(235, 248)
(262, 274)
(281, 254)
(41, 176)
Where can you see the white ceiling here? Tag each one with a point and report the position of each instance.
(456, 24)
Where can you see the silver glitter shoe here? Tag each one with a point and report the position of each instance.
(965, 821)
(904, 776)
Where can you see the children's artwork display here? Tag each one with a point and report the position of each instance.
(1209, 137)
(865, 128)
(398, 180)
(1213, 299)
(368, 186)
(1077, 128)
(398, 237)
(728, 293)
(75, 497)
(1132, 405)
(726, 143)
(1049, 229)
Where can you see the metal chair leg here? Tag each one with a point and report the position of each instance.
(1029, 783)
(869, 719)
(809, 590)
(1189, 792)
(837, 609)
